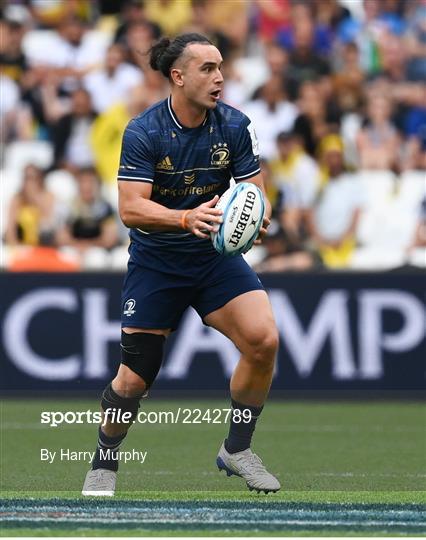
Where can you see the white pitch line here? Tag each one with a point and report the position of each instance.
(186, 519)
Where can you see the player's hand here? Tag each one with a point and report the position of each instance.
(263, 231)
(204, 219)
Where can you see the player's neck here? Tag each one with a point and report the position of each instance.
(190, 116)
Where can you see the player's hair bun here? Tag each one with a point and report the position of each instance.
(164, 53)
(157, 60)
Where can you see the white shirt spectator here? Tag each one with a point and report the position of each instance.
(268, 123)
(9, 95)
(49, 48)
(106, 90)
(299, 182)
(55, 51)
(78, 151)
(340, 199)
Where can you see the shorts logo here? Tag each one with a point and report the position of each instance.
(129, 307)
(220, 155)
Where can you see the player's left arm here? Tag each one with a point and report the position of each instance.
(245, 165)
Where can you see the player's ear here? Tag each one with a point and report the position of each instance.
(176, 75)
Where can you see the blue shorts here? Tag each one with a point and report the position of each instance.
(161, 284)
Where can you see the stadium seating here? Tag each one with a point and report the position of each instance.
(62, 184)
(18, 154)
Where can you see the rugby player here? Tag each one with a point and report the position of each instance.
(177, 158)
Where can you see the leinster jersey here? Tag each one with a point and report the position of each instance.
(186, 166)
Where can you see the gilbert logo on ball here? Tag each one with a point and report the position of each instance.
(243, 209)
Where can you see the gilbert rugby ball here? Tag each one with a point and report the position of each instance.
(243, 209)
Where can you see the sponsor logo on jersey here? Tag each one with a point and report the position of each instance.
(186, 191)
(189, 178)
(129, 307)
(220, 155)
(165, 164)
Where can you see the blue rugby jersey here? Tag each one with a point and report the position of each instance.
(186, 166)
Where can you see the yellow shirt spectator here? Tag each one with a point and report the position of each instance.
(171, 15)
(106, 135)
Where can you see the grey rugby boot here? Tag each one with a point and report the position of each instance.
(99, 483)
(249, 466)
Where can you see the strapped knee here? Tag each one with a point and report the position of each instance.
(114, 403)
(143, 354)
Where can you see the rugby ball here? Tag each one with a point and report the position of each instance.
(243, 209)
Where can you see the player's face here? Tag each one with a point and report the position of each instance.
(201, 75)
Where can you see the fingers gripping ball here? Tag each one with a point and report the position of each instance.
(243, 209)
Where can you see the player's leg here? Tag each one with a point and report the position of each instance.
(153, 300)
(141, 357)
(248, 321)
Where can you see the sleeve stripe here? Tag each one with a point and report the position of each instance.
(248, 174)
(135, 178)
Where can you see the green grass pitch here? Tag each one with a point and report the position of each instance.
(346, 468)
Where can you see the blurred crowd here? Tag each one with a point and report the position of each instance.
(336, 90)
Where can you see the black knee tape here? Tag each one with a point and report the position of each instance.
(111, 400)
(143, 354)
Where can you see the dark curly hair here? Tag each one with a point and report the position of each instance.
(165, 53)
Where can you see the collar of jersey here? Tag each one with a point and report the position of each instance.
(180, 126)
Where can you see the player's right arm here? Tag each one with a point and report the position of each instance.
(136, 178)
(138, 211)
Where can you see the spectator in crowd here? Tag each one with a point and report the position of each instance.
(133, 11)
(330, 13)
(71, 54)
(33, 211)
(415, 132)
(203, 23)
(271, 17)
(348, 79)
(226, 22)
(393, 58)
(415, 38)
(305, 64)
(71, 134)
(172, 16)
(316, 119)
(15, 119)
(419, 239)
(51, 14)
(113, 82)
(272, 189)
(108, 128)
(270, 113)
(378, 141)
(91, 221)
(138, 39)
(336, 214)
(281, 255)
(280, 251)
(365, 32)
(13, 62)
(297, 177)
(276, 58)
(302, 17)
